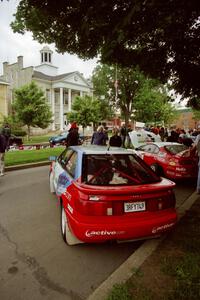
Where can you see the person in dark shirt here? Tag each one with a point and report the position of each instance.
(6, 131)
(115, 139)
(123, 133)
(73, 136)
(3, 145)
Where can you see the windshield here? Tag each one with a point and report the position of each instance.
(175, 149)
(116, 169)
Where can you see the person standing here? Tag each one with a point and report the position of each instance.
(3, 146)
(196, 147)
(99, 137)
(115, 139)
(123, 133)
(6, 131)
(73, 136)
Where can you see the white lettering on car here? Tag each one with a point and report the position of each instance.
(91, 233)
(163, 227)
(70, 208)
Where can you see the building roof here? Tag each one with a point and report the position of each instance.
(43, 76)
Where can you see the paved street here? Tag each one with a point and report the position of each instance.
(34, 261)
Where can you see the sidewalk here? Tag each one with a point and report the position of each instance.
(145, 261)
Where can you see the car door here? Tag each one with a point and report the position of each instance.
(62, 177)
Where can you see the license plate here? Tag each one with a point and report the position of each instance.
(134, 206)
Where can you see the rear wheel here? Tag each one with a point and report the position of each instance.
(67, 235)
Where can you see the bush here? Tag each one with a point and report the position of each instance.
(19, 132)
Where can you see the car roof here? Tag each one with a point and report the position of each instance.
(161, 144)
(94, 149)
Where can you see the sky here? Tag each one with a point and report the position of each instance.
(13, 45)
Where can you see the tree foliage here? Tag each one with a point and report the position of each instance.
(137, 97)
(86, 110)
(162, 37)
(30, 106)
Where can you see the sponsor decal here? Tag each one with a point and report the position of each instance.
(63, 182)
(162, 228)
(70, 208)
(68, 195)
(91, 233)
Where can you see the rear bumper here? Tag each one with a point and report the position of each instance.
(123, 228)
(178, 174)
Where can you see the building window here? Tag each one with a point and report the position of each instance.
(65, 100)
(45, 57)
(48, 96)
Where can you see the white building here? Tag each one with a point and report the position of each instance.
(60, 90)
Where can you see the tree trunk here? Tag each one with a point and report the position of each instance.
(29, 132)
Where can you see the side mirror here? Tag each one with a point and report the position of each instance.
(52, 158)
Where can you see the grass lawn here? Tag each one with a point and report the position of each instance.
(38, 139)
(28, 156)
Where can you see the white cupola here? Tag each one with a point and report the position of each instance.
(46, 55)
(46, 65)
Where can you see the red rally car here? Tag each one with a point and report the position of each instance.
(110, 194)
(171, 160)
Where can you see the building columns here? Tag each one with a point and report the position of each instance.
(53, 108)
(69, 99)
(61, 110)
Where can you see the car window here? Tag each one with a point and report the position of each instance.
(71, 164)
(150, 148)
(175, 149)
(116, 169)
(64, 156)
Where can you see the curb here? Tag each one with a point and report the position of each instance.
(26, 166)
(125, 271)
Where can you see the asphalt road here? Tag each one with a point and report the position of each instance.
(34, 261)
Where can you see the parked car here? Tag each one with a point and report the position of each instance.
(110, 195)
(61, 138)
(139, 137)
(171, 160)
(15, 140)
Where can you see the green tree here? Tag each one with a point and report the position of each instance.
(152, 104)
(85, 110)
(162, 37)
(30, 107)
(137, 96)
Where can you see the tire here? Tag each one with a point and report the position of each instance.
(67, 235)
(51, 185)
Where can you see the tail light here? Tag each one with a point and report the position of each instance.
(186, 162)
(94, 206)
(163, 202)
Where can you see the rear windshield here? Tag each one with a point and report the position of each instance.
(116, 169)
(175, 149)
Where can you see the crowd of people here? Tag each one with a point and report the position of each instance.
(175, 135)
